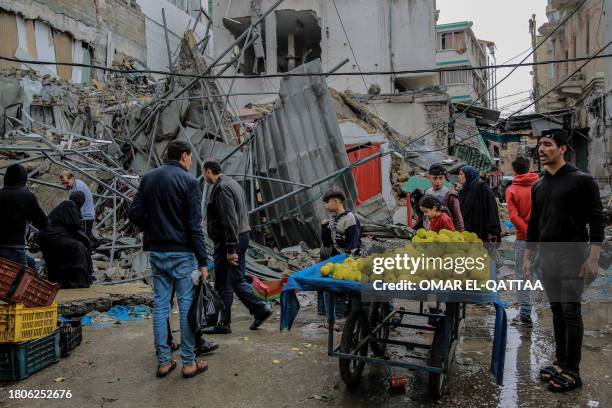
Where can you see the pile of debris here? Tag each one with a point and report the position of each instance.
(110, 133)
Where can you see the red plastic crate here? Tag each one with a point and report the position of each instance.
(9, 272)
(34, 292)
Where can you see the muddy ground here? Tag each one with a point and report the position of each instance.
(114, 367)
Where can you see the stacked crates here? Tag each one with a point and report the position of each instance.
(29, 338)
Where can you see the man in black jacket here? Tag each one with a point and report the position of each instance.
(227, 221)
(168, 209)
(564, 201)
(18, 207)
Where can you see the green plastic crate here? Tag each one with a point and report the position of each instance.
(21, 360)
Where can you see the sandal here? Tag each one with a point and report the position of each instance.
(171, 366)
(566, 381)
(550, 372)
(337, 328)
(201, 366)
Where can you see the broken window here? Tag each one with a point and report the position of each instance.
(446, 41)
(191, 7)
(253, 62)
(298, 38)
(587, 32)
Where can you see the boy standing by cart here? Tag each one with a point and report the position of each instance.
(341, 232)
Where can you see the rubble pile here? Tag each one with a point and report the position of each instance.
(108, 134)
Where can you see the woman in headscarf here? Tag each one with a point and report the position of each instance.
(64, 245)
(478, 206)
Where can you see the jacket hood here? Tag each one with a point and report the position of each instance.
(526, 179)
(565, 169)
(16, 176)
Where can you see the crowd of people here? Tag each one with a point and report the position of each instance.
(558, 218)
(555, 207)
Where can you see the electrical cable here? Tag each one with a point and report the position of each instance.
(301, 74)
(453, 119)
(567, 78)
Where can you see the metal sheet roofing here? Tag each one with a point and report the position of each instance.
(300, 141)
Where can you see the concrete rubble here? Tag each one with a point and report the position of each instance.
(112, 131)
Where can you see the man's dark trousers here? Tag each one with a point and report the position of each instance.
(230, 279)
(88, 227)
(561, 263)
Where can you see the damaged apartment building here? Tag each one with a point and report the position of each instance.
(580, 98)
(98, 32)
(110, 122)
(348, 37)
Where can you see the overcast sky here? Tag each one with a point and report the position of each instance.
(505, 22)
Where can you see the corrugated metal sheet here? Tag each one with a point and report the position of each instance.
(300, 141)
(470, 145)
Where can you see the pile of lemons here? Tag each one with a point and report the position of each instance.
(349, 270)
(445, 236)
(448, 245)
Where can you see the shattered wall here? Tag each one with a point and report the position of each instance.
(383, 34)
(415, 113)
(118, 24)
(300, 141)
(177, 21)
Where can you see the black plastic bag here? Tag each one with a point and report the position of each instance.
(206, 307)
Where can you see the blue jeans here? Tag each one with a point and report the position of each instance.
(172, 269)
(523, 296)
(19, 256)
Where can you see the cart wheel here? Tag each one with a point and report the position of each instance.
(355, 330)
(437, 381)
(378, 311)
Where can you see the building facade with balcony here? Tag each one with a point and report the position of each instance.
(458, 47)
(576, 95)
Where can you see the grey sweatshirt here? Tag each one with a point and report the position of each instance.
(226, 214)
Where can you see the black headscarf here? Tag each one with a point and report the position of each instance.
(77, 197)
(478, 206)
(66, 214)
(16, 176)
(468, 189)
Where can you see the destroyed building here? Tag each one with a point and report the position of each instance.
(349, 37)
(571, 95)
(95, 32)
(111, 130)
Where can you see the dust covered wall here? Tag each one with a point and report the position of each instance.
(372, 26)
(90, 22)
(176, 21)
(125, 20)
(415, 113)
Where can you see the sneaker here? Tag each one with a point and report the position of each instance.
(267, 312)
(205, 347)
(524, 321)
(219, 329)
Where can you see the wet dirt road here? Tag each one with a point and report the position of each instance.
(114, 367)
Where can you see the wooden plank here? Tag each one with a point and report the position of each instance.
(8, 44)
(63, 53)
(31, 38)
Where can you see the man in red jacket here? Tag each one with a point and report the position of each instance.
(518, 199)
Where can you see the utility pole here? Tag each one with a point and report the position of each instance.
(532, 31)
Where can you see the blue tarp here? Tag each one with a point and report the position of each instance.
(310, 279)
(500, 138)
